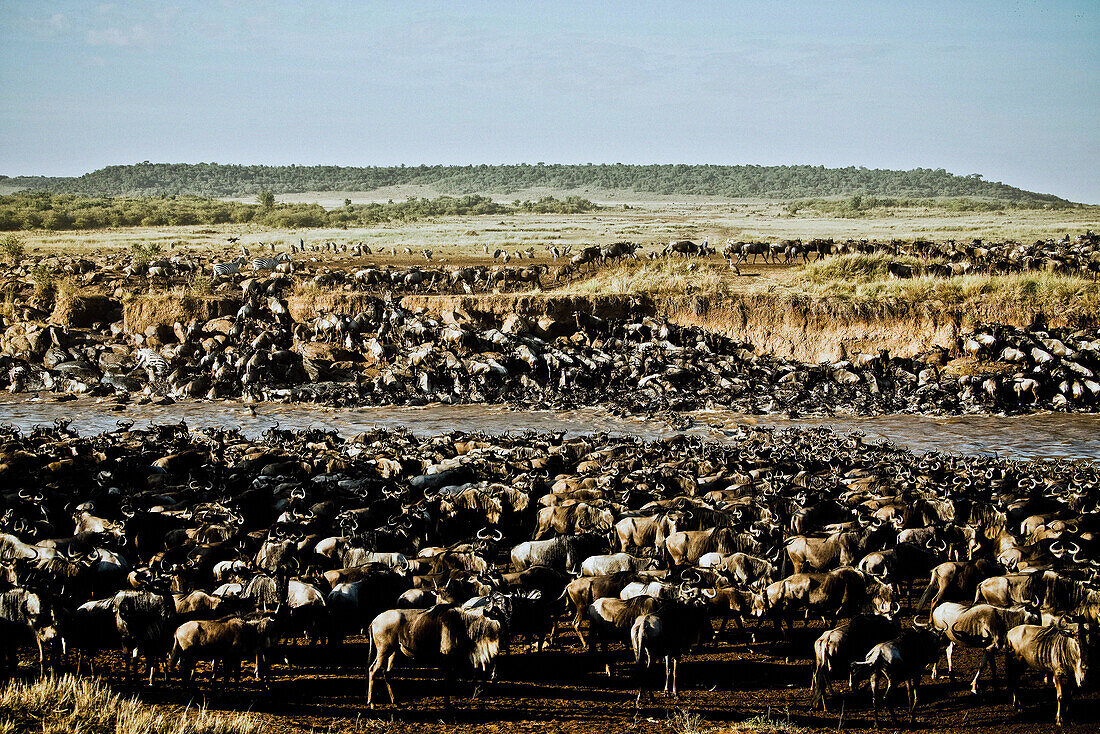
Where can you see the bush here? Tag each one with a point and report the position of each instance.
(12, 248)
(44, 278)
(202, 285)
(141, 253)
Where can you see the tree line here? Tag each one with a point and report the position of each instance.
(865, 206)
(43, 210)
(770, 182)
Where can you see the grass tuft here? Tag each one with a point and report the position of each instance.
(59, 705)
(657, 277)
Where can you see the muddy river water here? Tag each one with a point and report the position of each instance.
(1073, 436)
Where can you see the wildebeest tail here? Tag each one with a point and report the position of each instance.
(640, 650)
(820, 681)
(924, 597)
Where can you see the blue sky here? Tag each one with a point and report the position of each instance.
(1008, 90)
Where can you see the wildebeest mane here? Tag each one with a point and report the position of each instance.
(1053, 646)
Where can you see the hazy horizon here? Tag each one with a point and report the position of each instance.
(1005, 90)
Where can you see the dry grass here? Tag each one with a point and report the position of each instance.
(68, 704)
(685, 722)
(849, 288)
(861, 280)
(658, 277)
(651, 222)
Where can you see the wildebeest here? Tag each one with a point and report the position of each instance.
(900, 660)
(146, 621)
(982, 626)
(443, 636)
(565, 552)
(956, 581)
(839, 592)
(646, 532)
(668, 633)
(1055, 650)
(839, 549)
(23, 617)
(837, 649)
(227, 640)
(688, 546)
(587, 589)
(577, 518)
(608, 564)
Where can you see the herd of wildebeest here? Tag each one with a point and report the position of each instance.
(270, 344)
(182, 546)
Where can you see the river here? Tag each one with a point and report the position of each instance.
(1060, 436)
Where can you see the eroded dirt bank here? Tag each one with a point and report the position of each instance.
(806, 330)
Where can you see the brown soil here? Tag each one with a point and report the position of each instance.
(138, 314)
(565, 689)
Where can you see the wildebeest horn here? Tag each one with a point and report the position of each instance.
(483, 534)
(497, 535)
(895, 608)
(710, 595)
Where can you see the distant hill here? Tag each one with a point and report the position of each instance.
(765, 182)
(9, 184)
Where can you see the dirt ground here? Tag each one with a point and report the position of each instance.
(565, 689)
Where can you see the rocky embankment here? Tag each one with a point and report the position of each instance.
(357, 348)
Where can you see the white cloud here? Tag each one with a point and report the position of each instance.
(135, 35)
(51, 26)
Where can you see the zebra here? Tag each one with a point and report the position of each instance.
(154, 364)
(269, 263)
(230, 268)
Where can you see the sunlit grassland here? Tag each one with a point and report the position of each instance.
(652, 223)
(855, 284)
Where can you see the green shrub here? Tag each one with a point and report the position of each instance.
(12, 248)
(141, 253)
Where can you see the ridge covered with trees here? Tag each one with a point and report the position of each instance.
(771, 182)
(43, 210)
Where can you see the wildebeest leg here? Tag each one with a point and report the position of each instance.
(675, 663)
(950, 670)
(993, 666)
(890, 701)
(874, 695)
(1058, 694)
(912, 695)
(577, 628)
(986, 656)
(448, 682)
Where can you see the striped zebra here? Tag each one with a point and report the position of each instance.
(269, 263)
(230, 268)
(153, 363)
